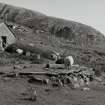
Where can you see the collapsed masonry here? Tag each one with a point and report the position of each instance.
(75, 78)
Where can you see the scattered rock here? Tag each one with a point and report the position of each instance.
(19, 51)
(98, 79)
(28, 54)
(33, 96)
(31, 44)
(81, 82)
(47, 90)
(85, 89)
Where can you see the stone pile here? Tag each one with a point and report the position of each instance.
(75, 79)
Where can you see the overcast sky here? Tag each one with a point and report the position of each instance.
(90, 12)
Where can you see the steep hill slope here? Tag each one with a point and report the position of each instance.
(85, 43)
(78, 33)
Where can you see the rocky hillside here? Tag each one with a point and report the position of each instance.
(77, 33)
(85, 43)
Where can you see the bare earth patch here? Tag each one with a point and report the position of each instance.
(15, 91)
